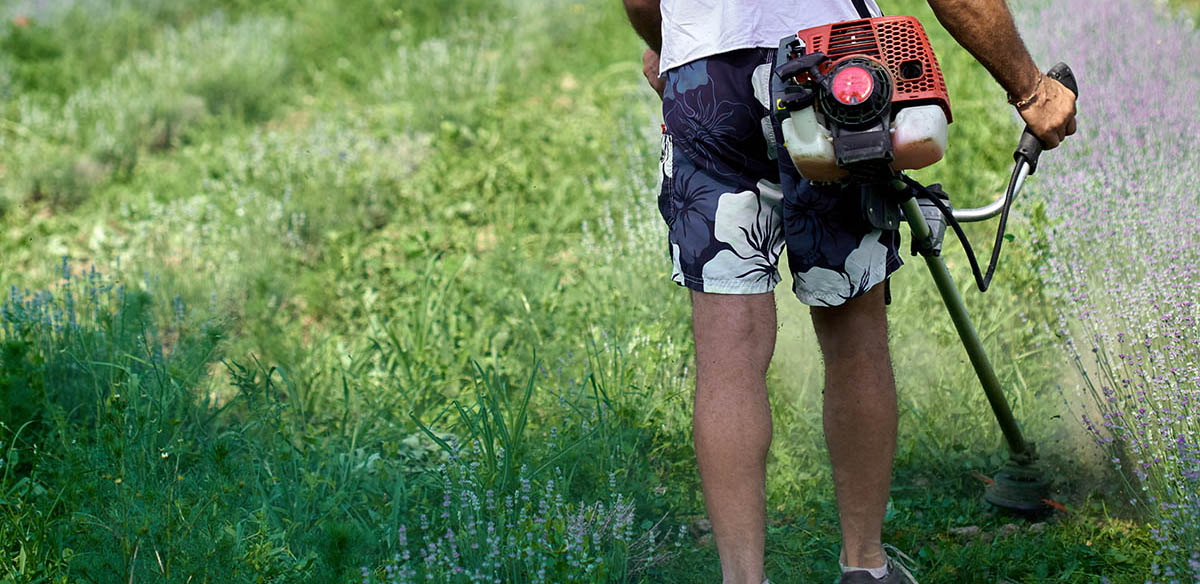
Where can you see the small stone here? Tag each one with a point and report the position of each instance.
(1007, 529)
(1038, 527)
(701, 526)
(968, 531)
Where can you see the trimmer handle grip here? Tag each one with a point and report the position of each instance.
(1030, 147)
(1063, 74)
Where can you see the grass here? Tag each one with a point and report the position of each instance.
(1192, 5)
(334, 240)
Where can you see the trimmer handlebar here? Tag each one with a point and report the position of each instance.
(1029, 149)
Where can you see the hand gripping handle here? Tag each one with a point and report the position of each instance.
(1030, 147)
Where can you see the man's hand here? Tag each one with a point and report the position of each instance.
(1051, 114)
(646, 18)
(650, 70)
(985, 28)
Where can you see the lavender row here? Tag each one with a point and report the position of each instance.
(1124, 200)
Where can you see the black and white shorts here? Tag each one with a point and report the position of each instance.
(731, 203)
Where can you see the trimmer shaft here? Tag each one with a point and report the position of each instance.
(1021, 485)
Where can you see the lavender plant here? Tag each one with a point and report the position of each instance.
(1124, 258)
(498, 520)
(89, 339)
(524, 534)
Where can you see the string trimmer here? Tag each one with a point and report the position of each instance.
(864, 100)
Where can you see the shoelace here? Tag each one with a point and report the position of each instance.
(901, 560)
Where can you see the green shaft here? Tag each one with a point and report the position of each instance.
(966, 332)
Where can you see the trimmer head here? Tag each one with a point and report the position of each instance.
(1020, 486)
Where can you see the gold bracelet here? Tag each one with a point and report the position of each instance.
(1028, 101)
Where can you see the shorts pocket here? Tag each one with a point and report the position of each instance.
(666, 164)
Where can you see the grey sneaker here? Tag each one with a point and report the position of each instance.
(897, 571)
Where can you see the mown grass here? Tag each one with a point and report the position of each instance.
(334, 220)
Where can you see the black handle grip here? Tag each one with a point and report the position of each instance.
(1062, 74)
(1030, 147)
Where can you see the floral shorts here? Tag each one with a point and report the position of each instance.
(731, 199)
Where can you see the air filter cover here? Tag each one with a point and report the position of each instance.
(899, 43)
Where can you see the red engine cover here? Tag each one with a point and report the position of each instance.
(899, 42)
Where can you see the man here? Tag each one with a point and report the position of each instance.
(731, 201)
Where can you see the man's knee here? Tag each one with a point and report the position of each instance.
(859, 325)
(743, 317)
(729, 325)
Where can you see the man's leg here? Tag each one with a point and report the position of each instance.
(731, 423)
(859, 419)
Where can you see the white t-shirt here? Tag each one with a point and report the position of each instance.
(693, 29)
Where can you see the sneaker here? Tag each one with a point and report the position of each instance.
(897, 571)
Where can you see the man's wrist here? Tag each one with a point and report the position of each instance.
(1023, 100)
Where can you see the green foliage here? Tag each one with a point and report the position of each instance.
(1192, 6)
(151, 100)
(953, 538)
(108, 391)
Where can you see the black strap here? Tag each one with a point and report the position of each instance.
(861, 7)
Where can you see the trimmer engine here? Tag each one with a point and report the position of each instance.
(864, 98)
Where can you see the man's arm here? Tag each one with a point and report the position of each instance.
(985, 29)
(646, 19)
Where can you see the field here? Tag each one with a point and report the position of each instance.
(370, 290)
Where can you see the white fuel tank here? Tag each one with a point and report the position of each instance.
(810, 146)
(918, 137)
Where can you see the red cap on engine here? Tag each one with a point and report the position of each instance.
(852, 85)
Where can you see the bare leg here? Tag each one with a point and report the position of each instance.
(859, 419)
(731, 423)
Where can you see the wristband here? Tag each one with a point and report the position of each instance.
(1021, 104)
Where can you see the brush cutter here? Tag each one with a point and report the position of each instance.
(863, 101)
